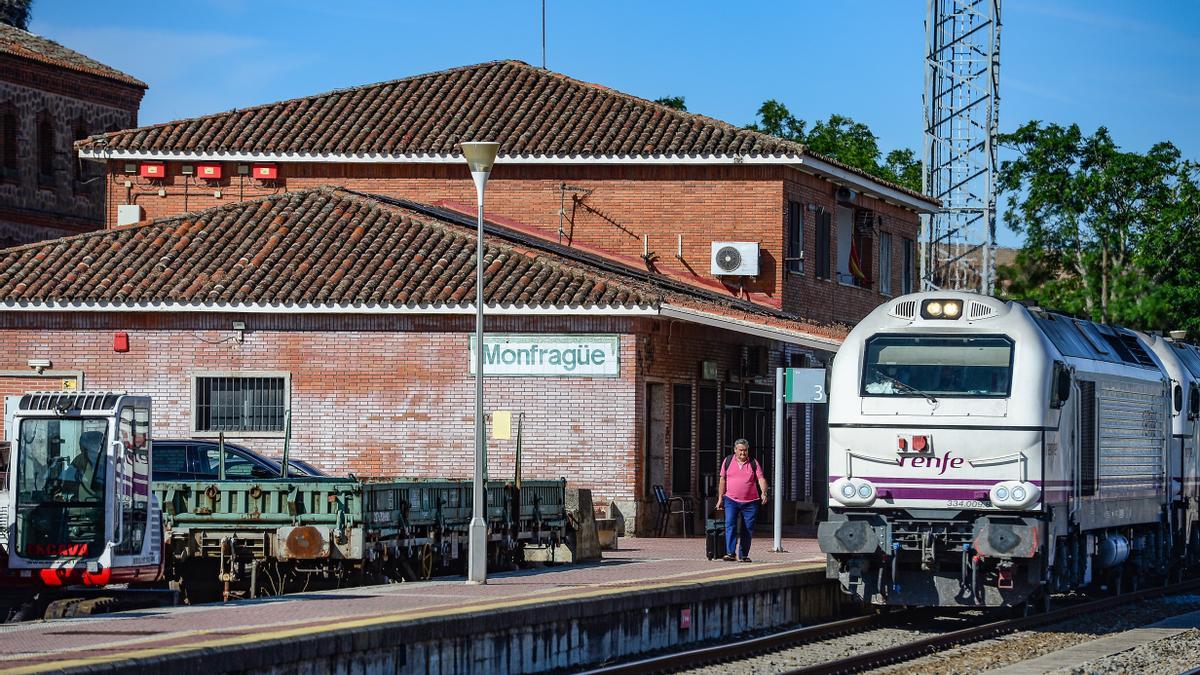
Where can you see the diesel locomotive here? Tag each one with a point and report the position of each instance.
(983, 453)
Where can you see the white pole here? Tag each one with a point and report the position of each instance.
(779, 403)
(480, 156)
(477, 531)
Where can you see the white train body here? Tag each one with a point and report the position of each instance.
(980, 452)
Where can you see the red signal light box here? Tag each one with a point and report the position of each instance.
(208, 171)
(152, 170)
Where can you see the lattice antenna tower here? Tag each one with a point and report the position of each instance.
(961, 98)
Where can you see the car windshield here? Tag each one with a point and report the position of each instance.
(931, 366)
(61, 467)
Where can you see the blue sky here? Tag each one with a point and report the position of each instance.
(1131, 66)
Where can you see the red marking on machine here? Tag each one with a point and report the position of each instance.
(685, 618)
(58, 550)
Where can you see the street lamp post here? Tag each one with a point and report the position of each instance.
(480, 157)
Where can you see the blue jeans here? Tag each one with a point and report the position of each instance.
(748, 511)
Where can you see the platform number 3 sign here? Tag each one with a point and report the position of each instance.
(805, 385)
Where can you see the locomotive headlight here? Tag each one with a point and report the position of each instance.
(941, 309)
(853, 492)
(1013, 494)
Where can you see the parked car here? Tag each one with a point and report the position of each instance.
(299, 467)
(189, 459)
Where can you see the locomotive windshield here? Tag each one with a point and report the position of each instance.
(61, 470)
(911, 365)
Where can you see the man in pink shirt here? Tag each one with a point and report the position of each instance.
(741, 489)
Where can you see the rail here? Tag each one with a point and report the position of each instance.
(875, 659)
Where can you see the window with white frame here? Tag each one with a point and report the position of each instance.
(240, 402)
(885, 263)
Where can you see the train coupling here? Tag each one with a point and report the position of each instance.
(1004, 576)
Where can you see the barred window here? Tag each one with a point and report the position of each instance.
(240, 402)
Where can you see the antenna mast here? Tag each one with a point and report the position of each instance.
(961, 100)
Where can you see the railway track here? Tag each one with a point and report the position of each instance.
(977, 631)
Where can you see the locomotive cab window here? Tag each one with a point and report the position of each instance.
(910, 366)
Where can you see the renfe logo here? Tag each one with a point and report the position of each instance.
(67, 550)
(927, 462)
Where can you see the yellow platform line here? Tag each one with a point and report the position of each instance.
(411, 615)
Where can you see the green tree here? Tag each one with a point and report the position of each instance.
(843, 139)
(15, 13)
(675, 102)
(1109, 234)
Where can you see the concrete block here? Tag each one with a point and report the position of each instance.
(606, 533)
(586, 545)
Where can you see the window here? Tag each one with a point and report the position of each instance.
(795, 238)
(941, 365)
(824, 236)
(885, 263)
(708, 415)
(241, 402)
(855, 229)
(8, 141)
(681, 439)
(906, 279)
(61, 487)
(45, 149)
(81, 170)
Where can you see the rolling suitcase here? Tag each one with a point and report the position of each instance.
(714, 538)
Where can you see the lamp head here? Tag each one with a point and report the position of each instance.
(480, 155)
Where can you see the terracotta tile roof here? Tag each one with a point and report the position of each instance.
(532, 112)
(37, 48)
(335, 249)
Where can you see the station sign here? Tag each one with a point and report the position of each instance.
(805, 385)
(548, 355)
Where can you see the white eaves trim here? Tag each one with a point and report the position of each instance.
(747, 328)
(255, 308)
(806, 163)
(665, 311)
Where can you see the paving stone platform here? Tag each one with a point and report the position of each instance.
(213, 638)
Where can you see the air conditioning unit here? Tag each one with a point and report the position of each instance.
(846, 196)
(735, 258)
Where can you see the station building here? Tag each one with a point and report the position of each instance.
(50, 97)
(236, 288)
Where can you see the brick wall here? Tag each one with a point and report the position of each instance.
(831, 300)
(33, 207)
(392, 395)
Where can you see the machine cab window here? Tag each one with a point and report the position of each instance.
(61, 481)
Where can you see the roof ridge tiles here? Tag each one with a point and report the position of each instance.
(327, 248)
